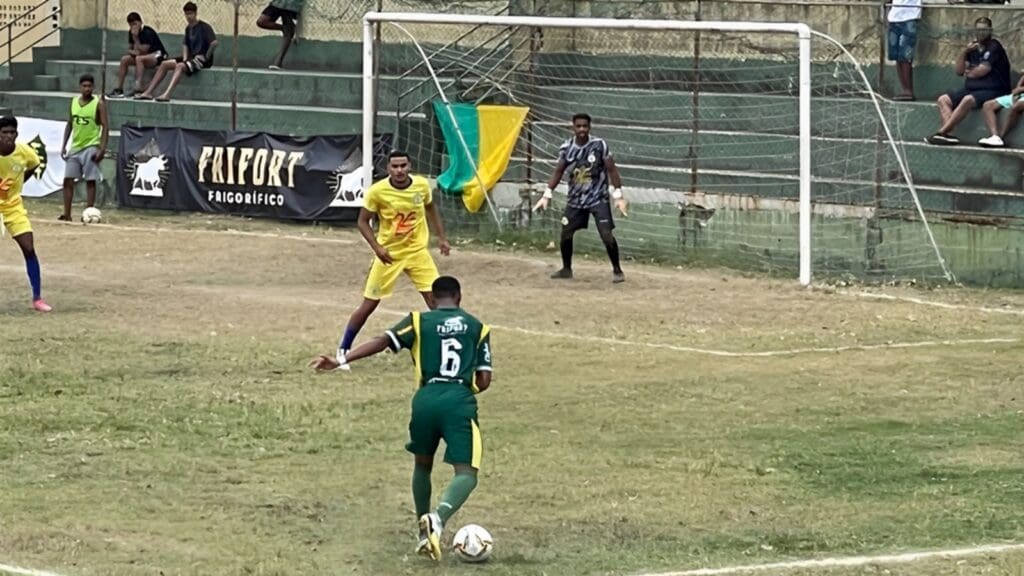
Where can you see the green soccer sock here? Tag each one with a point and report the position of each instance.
(421, 489)
(455, 496)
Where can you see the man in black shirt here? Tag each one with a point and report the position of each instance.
(196, 54)
(145, 50)
(986, 71)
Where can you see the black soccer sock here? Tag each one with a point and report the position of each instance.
(567, 253)
(613, 254)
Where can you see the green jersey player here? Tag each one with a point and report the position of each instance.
(451, 351)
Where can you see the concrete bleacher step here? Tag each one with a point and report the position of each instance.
(939, 198)
(273, 118)
(45, 83)
(836, 117)
(299, 88)
(966, 166)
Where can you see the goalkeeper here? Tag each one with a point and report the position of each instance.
(590, 167)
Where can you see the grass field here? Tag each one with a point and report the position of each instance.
(162, 421)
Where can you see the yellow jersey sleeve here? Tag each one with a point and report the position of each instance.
(29, 156)
(371, 201)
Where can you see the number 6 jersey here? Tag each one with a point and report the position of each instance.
(448, 345)
(402, 214)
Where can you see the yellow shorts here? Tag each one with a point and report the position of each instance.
(16, 220)
(420, 268)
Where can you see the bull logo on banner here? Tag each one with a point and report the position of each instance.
(317, 178)
(148, 175)
(347, 186)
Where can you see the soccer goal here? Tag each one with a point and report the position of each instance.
(751, 145)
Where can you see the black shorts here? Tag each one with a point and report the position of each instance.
(275, 14)
(980, 96)
(159, 54)
(579, 218)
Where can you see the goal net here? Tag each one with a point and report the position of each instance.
(702, 119)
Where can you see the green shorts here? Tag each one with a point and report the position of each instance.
(1007, 101)
(445, 411)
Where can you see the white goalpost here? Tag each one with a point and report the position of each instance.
(864, 177)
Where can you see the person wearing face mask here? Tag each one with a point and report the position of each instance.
(986, 70)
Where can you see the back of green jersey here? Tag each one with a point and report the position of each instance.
(447, 344)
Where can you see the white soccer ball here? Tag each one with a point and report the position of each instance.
(92, 216)
(473, 543)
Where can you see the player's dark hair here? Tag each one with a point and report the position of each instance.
(984, 20)
(581, 116)
(134, 17)
(190, 7)
(397, 154)
(446, 287)
(8, 122)
(86, 78)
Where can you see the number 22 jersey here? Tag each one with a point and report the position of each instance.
(402, 215)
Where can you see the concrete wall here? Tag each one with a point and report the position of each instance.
(333, 25)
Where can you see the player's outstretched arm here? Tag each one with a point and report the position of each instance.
(616, 181)
(437, 227)
(556, 177)
(365, 350)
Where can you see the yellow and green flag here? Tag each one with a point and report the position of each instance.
(490, 132)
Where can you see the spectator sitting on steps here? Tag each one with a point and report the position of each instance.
(986, 71)
(145, 50)
(287, 11)
(1012, 101)
(196, 55)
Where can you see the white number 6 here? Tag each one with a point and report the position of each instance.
(451, 361)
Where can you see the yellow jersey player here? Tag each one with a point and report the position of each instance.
(18, 163)
(403, 205)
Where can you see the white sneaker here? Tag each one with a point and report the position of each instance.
(991, 142)
(430, 527)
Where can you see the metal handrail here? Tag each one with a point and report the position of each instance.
(30, 10)
(10, 31)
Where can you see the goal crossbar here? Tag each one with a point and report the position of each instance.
(801, 32)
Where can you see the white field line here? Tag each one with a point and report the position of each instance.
(780, 566)
(826, 563)
(19, 571)
(633, 343)
(230, 232)
(848, 561)
(544, 263)
(933, 303)
(280, 299)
